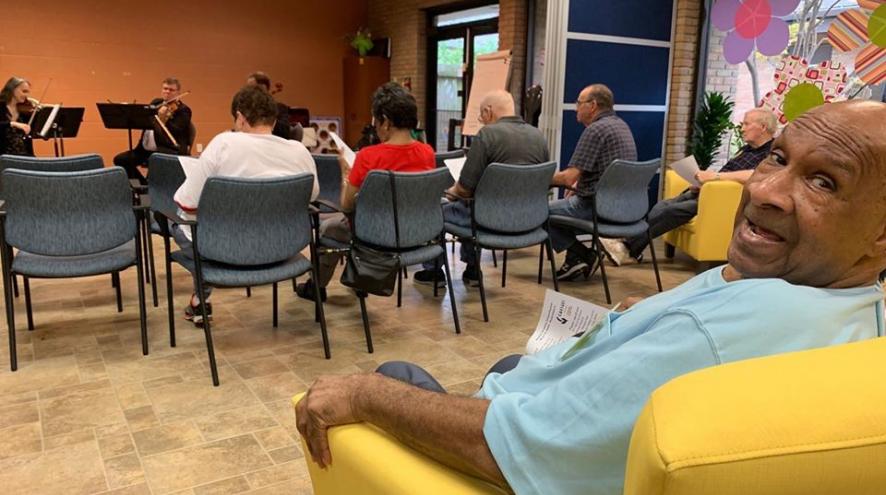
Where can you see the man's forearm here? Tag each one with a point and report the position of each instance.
(447, 428)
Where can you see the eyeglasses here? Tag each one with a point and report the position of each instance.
(580, 101)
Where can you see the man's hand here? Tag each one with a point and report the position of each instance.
(163, 113)
(20, 125)
(705, 176)
(329, 402)
(570, 191)
(629, 301)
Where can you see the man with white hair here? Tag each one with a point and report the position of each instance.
(504, 138)
(758, 129)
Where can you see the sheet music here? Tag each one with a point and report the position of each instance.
(687, 168)
(455, 165)
(347, 152)
(562, 317)
(49, 121)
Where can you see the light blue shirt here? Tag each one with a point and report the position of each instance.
(563, 426)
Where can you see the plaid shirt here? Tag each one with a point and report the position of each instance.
(747, 158)
(606, 139)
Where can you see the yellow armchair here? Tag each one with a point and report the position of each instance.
(706, 237)
(805, 423)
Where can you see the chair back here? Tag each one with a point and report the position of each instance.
(513, 198)
(68, 213)
(165, 178)
(254, 221)
(74, 163)
(329, 178)
(192, 136)
(622, 193)
(419, 215)
(447, 155)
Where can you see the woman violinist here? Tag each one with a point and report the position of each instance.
(14, 97)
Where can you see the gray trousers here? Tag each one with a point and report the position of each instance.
(187, 249)
(338, 228)
(665, 216)
(458, 213)
(416, 375)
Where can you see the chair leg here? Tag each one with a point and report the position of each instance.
(494, 259)
(142, 318)
(541, 261)
(319, 314)
(294, 284)
(602, 262)
(115, 278)
(153, 269)
(451, 291)
(550, 249)
(670, 251)
(365, 316)
(249, 292)
(400, 287)
(15, 285)
(207, 325)
(405, 273)
(28, 310)
(437, 271)
(144, 241)
(169, 294)
(10, 319)
(654, 261)
(274, 300)
(482, 288)
(504, 267)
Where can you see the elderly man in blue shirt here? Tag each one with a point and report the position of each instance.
(807, 252)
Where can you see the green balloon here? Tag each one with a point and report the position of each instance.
(801, 98)
(877, 26)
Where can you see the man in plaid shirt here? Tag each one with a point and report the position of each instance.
(606, 138)
(757, 129)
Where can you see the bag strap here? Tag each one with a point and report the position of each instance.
(394, 203)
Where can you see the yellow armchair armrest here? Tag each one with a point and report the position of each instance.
(368, 461)
(809, 422)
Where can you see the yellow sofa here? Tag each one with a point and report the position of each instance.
(706, 237)
(808, 423)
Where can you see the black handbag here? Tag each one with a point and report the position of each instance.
(370, 270)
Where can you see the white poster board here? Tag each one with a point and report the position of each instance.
(491, 72)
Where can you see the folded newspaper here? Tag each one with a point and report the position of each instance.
(562, 317)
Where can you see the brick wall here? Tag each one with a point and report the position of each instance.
(405, 23)
(684, 71)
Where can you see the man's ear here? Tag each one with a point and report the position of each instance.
(879, 247)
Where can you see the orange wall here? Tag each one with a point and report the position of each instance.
(95, 50)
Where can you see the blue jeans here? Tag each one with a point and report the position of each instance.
(573, 206)
(458, 213)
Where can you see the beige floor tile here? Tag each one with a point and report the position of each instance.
(124, 470)
(18, 414)
(260, 367)
(192, 466)
(39, 375)
(166, 437)
(223, 487)
(274, 438)
(269, 388)
(73, 438)
(80, 410)
(139, 489)
(132, 395)
(198, 398)
(281, 472)
(75, 469)
(235, 422)
(20, 439)
(288, 487)
(286, 454)
(115, 445)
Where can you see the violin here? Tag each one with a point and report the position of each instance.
(28, 107)
(172, 105)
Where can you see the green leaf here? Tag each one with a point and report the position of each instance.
(877, 26)
(800, 99)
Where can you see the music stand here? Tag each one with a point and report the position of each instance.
(127, 116)
(60, 123)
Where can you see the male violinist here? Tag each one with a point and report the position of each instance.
(177, 122)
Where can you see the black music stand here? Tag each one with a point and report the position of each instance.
(65, 124)
(127, 116)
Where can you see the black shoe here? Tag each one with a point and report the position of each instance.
(193, 314)
(571, 269)
(471, 276)
(427, 277)
(306, 291)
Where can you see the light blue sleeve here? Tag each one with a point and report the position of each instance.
(573, 437)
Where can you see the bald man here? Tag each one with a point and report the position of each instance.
(807, 251)
(504, 138)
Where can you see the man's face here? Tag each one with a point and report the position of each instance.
(585, 108)
(812, 212)
(752, 130)
(169, 91)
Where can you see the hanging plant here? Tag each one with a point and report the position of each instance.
(362, 41)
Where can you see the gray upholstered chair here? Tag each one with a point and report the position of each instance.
(419, 224)
(620, 205)
(509, 210)
(67, 225)
(329, 179)
(165, 177)
(251, 232)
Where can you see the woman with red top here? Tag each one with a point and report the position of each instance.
(394, 116)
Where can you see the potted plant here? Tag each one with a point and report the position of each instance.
(711, 122)
(362, 42)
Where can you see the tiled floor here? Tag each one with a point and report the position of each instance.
(86, 413)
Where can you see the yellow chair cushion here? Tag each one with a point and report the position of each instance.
(368, 461)
(811, 422)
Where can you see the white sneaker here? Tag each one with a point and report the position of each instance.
(616, 251)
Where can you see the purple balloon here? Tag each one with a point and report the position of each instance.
(783, 7)
(737, 49)
(774, 39)
(723, 14)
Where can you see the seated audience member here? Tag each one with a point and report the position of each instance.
(605, 139)
(249, 152)
(803, 273)
(394, 116)
(281, 127)
(757, 128)
(504, 138)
